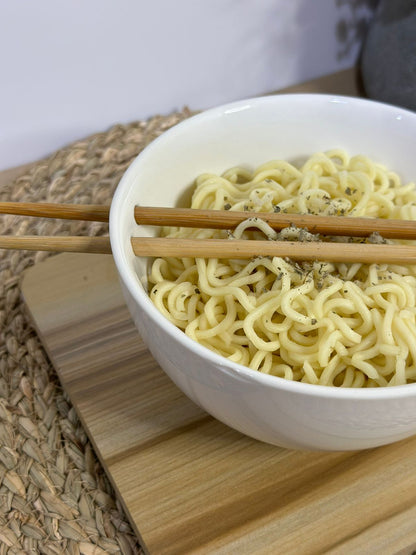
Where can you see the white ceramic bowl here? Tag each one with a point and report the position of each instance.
(251, 132)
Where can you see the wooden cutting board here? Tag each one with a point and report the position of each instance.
(189, 483)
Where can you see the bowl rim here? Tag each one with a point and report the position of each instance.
(143, 300)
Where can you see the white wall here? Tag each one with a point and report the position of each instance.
(71, 69)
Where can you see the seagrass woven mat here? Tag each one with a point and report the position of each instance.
(54, 495)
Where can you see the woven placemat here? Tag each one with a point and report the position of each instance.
(54, 495)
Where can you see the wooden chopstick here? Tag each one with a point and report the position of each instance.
(87, 212)
(242, 249)
(222, 248)
(228, 219)
(221, 219)
(97, 245)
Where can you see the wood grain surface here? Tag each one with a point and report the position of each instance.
(189, 483)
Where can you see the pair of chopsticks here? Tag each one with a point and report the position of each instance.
(222, 248)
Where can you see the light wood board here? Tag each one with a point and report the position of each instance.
(189, 483)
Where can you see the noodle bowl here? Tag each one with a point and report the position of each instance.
(249, 370)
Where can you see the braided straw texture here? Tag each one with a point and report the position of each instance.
(54, 496)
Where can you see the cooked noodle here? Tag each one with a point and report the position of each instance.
(348, 325)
